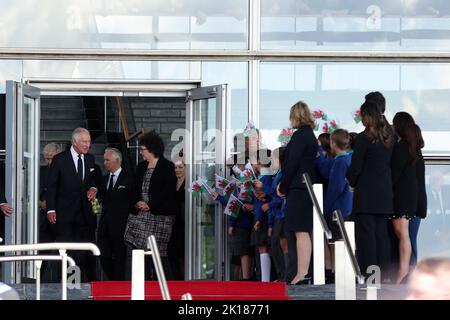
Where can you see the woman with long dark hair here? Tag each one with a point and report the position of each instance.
(370, 177)
(406, 152)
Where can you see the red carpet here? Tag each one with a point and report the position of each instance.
(200, 290)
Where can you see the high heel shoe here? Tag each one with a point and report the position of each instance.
(302, 282)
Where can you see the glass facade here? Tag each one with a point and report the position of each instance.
(338, 89)
(125, 24)
(395, 25)
(262, 83)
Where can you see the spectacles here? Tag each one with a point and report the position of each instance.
(142, 149)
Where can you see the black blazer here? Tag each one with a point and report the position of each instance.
(43, 179)
(421, 190)
(66, 194)
(116, 204)
(370, 175)
(404, 181)
(162, 188)
(299, 158)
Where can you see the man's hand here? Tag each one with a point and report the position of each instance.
(231, 231)
(269, 232)
(141, 205)
(265, 207)
(91, 194)
(51, 217)
(6, 209)
(257, 225)
(248, 207)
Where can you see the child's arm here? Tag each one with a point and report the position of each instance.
(336, 185)
(323, 163)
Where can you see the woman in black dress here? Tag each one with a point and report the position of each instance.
(370, 177)
(299, 159)
(405, 185)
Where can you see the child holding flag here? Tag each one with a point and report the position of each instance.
(240, 218)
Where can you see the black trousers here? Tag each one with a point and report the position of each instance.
(113, 254)
(373, 244)
(85, 260)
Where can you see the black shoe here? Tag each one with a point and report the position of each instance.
(329, 277)
(302, 282)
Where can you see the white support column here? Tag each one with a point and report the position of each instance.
(63, 254)
(345, 277)
(372, 293)
(38, 265)
(138, 275)
(318, 241)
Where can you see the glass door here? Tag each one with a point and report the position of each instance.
(205, 157)
(22, 171)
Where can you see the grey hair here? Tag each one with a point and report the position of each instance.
(116, 152)
(51, 148)
(76, 134)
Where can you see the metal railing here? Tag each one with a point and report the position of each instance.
(38, 259)
(323, 223)
(123, 118)
(62, 247)
(138, 272)
(337, 216)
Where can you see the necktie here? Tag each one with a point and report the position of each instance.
(80, 168)
(111, 183)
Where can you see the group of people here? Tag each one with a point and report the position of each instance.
(134, 205)
(375, 178)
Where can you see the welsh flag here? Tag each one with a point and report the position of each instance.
(221, 182)
(246, 175)
(229, 188)
(249, 167)
(195, 188)
(236, 171)
(233, 206)
(244, 195)
(205, 185)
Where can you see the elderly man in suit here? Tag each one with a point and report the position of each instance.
(116, 193)
(70, 188)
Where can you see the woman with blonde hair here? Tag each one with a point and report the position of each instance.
(299, 159)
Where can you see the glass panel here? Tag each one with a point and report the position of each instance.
(204, 135)
(125, 24)
(9, 70)
(339, 89)
(355, 25)
(235, 74)
(434, 232)
(129, 70)
(28, 225)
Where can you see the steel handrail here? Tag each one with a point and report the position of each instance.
(337, 216)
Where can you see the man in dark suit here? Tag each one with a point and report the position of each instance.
(70, 188)
(116, 193)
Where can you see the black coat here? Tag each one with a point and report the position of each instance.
(116, 204)
(43, 179)
(298, 159)
(404, 181)
(66, 194)
(421, 191)
(161, 193)
(370, 175)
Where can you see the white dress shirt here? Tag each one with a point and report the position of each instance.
(75, 159)
(116, 175)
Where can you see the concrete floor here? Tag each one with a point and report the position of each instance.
(52, 291)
